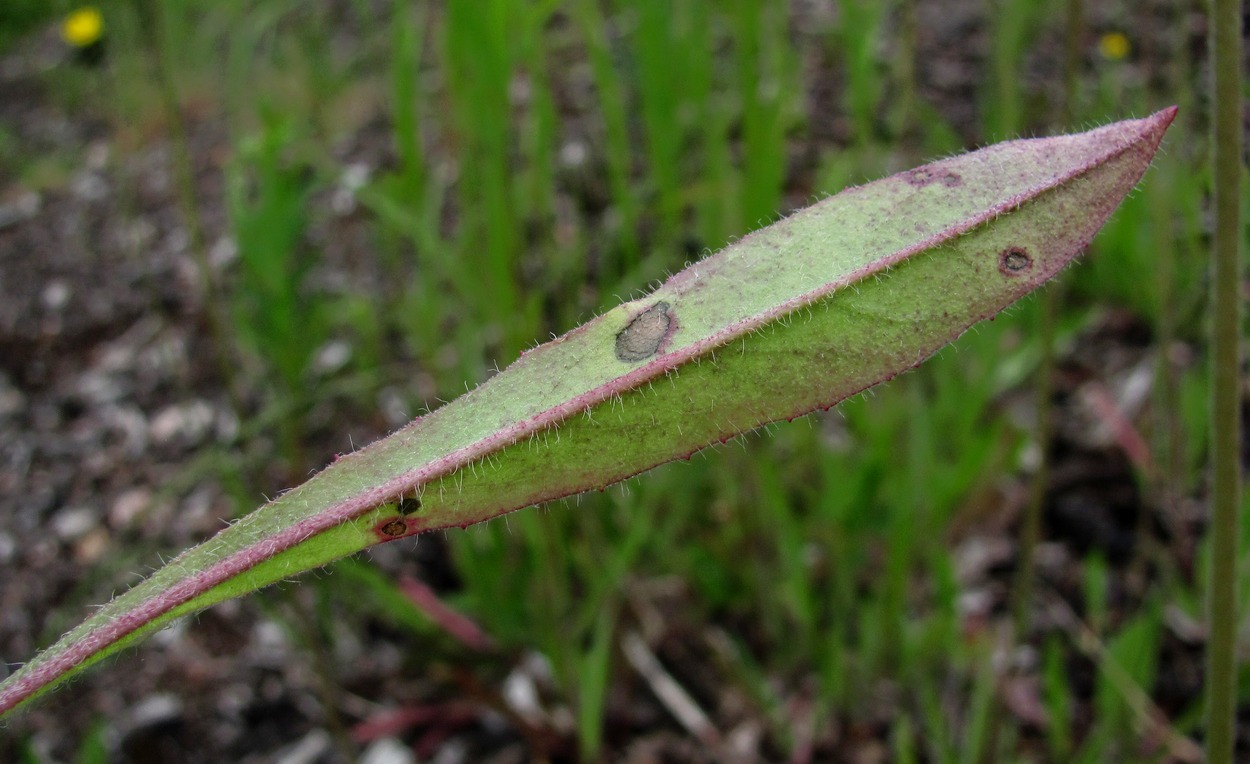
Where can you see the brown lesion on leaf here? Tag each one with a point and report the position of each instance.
(1014, 261)
(393, 528)
(925, 176)
(645, 334)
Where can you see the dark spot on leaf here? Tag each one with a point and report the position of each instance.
(409, 504)
(1014, 260)
(924, 176)
(395, 528)
(921, 176)
(644, 335)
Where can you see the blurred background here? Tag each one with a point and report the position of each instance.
(238, 238)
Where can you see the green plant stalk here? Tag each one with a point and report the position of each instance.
(267, 198)
(845, 294)
(661, 46)
(408, 28)
(859, 30)
(154, 26)
(615, 116)
(1031, 530)
(905, 67)
(1074, 32)
(593, 680)
(1013, 25)
(306, 631)
(761, 38)
(1057, 694)
(479, 46)
(718, 210)
(536, 191)
(1226, 158)
(1160, 480)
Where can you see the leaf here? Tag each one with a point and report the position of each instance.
(796, 317)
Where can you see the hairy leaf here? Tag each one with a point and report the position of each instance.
(796, 317)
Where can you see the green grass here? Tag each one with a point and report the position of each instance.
(277, 319)
(547, 159)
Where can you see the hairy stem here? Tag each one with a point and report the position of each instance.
(1225, 24)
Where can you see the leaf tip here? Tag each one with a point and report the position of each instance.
(1157, 124)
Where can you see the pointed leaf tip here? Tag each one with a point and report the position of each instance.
(1154, 126)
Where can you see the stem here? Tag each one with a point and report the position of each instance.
(1031, 531)
(906, 66)
(1074, 30)
(1225, 25)
(153, 25)
(1169, 432)
(308, 633)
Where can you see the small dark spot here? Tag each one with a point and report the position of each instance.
(643, 336)
(1014, 260)
(395, 528)
(951, 179)
(409, 504)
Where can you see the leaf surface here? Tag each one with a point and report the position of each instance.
(795, 317)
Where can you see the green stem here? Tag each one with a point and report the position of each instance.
(1030, 533)
(305, 629)
(153, 25)
(1225, 24)
(905, 67)
(1074, 30)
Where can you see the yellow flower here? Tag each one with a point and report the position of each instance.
(1114, 46)
(82, 27)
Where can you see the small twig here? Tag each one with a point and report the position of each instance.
(671, 694)
(1111, 416)
(464, 629)
(397, 721)
(1149, 716)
